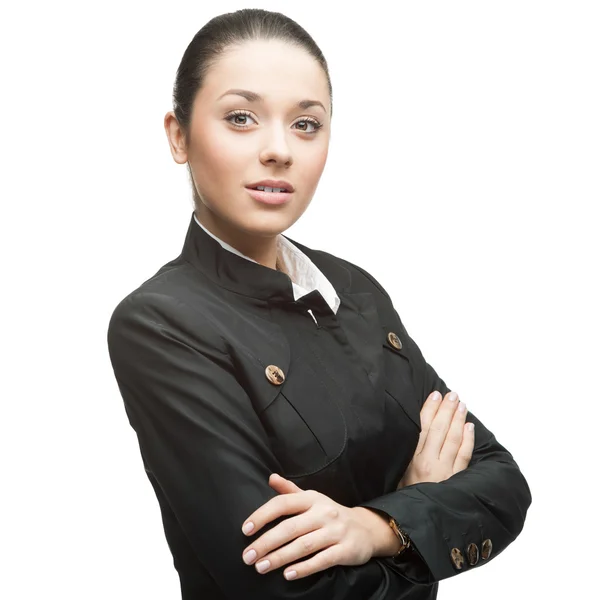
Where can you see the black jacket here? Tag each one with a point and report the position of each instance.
(190, 348)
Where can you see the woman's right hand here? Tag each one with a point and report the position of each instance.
(445, 444)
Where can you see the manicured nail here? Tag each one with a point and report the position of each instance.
(290, 575)
(248, 527)
(262, 566)
(249, 556)
(436, 396)
(462, 406)
(453, 396)
(470, 426)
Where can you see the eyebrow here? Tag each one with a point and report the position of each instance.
(254, 97)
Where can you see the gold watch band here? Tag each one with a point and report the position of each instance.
(402, 536)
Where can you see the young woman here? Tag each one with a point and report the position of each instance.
(298, 443)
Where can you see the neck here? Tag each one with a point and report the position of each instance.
(261, 249)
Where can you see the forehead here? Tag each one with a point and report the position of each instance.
(276, 70)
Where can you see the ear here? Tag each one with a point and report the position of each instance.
(176, 138)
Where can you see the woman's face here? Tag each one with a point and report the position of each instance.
(276, 125)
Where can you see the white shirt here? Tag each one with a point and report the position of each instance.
(304, 274)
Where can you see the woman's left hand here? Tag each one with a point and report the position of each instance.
(319, 524)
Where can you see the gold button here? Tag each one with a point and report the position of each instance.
(473, 554)
(486, 549)
(275, 374)
(394, 340)
(457, 558)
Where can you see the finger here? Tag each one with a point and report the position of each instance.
(440, 425)
(283, 533)
(465, 452)
(298, 548)
(325, 559)
(428, 411)
(283, 485)
(454, 437)
(283, 504)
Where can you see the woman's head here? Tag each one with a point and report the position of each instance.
(276, 125)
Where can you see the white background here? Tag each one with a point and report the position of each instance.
(463, 174)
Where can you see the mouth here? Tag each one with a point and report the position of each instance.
(262, 188)
(270, 195)
(272, 186)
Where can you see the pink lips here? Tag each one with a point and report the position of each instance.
(273, 183)
(270, 197)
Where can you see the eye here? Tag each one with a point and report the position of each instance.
(239, 119)
(306, 123)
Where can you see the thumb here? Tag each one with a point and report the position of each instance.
(282, 485)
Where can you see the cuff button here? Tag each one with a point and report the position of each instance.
(486, 549)
(473, 554)
(457, 558)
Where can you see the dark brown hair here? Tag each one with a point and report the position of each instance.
(220, 33)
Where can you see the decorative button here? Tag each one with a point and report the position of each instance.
(394, 340)
(275, 374)
(486, 548)
(473, 554)
(457, 558)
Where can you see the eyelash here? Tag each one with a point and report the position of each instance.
(244, 113)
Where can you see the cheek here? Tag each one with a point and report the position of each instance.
(218, 158)
(314, 163)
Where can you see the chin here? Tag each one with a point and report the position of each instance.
(269, 225)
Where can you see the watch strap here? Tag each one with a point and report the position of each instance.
(402, 536)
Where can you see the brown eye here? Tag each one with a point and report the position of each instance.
(239, 119)
(304, 125)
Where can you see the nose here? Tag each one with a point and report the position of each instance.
(276, 149)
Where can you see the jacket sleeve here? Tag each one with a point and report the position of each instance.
(204, 445)
(473, 515)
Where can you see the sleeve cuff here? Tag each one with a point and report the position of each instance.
(429, 560)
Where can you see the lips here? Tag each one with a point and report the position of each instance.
(268, 196)
(272, 183)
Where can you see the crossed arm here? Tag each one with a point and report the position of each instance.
(352, 536)
(205, 449)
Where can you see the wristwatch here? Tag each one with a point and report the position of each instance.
(402, 536)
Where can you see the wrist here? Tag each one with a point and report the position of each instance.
(383, 541)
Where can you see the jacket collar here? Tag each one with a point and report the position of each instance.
(249, 278)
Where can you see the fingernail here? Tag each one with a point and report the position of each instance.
(462, 407)
(453, 396)
(262, 566)
(470, 426)
(249, 556)
(436, 396)
(248, 527)
(290, 575)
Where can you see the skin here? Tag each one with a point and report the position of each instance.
(445, 444)
(279, 140)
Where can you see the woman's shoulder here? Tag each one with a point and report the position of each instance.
(170, 280)
(365, 276)
(167, 300)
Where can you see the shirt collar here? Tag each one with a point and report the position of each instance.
(304, 274)
(315, 277)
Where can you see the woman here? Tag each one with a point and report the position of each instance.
(284, 415)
